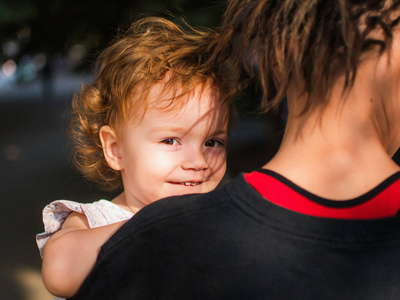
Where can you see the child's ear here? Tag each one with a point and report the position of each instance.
(109, 141)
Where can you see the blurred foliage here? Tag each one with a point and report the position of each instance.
(54, 26)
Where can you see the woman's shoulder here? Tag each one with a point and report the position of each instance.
(190, 206)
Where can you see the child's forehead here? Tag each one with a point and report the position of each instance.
(168, 96)
(202, 110)
(173, 96)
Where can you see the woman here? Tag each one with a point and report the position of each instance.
(321, 219)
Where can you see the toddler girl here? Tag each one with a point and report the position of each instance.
(155, 122)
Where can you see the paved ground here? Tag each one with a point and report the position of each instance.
(34, 170)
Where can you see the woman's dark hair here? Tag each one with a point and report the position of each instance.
(310, 42)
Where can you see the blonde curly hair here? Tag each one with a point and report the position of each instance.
(150, 49)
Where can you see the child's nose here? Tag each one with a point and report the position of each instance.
(195, 159)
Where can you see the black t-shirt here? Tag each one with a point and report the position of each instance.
(233, 244)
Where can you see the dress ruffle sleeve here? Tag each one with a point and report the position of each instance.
(99, 213)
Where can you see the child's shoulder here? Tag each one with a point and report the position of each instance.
(95, 214)
(98, 213)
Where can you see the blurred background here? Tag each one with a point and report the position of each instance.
(47, 52)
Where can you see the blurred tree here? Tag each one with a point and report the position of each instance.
(56, 26)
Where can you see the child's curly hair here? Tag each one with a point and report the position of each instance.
(127, 70)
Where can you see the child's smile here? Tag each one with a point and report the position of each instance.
(190, 183)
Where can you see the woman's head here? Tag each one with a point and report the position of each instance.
(152, 50)
(308, 43)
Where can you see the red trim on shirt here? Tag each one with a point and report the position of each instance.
(385, 203)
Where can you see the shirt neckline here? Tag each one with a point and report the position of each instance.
(334, 203)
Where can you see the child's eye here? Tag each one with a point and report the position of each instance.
(170, 141)
(213, 143)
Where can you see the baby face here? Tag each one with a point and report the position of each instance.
(175, 151)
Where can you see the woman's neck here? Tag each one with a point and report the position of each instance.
(338, 154)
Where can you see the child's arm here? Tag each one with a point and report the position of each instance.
(70, 254)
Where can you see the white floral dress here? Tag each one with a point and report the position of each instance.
(99, 213)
